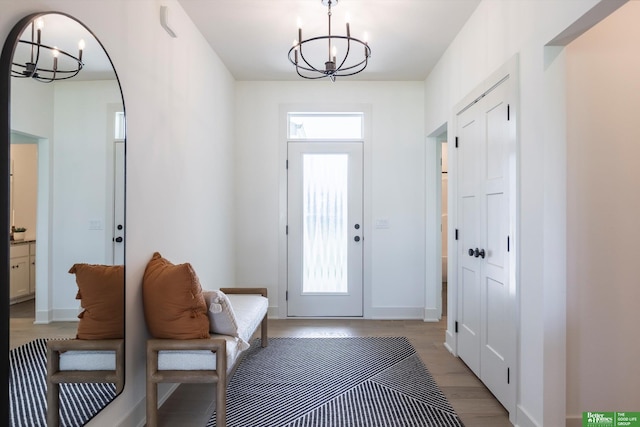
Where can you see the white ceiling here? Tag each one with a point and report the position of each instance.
(252, 37)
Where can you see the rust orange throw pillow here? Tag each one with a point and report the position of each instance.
(101, 295)
(174, 305)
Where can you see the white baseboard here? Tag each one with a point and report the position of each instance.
(380, 313)
(523, 419)
(65, 315)
(43, 317)
(273, 312)
(450, 342)
(431, 315)
(397, 313)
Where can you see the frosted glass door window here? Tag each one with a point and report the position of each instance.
(325, 236)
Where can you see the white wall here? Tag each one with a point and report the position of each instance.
(496, 32)
(603, 207)
(394, 186)
(179, 100)
(27, 116)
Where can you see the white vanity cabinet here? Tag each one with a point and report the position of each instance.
(21, 270)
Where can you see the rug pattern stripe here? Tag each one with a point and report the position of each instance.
(335, 382)
(28, 391)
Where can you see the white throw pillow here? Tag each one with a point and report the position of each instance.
(222, 319)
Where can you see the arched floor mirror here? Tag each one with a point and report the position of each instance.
(62, 166)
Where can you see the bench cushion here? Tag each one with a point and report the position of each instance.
(249, 311)
(94, 360)
(196, 360)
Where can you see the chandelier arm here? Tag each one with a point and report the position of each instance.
(35, 63)
(51, 48)
(310, 78)
(297, 65)
(351, 67)
(66, 74)
(311, 67)
(365, 62)
(346, 55)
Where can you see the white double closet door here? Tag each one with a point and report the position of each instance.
(486, 338)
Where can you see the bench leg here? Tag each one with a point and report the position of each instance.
(264, 337)
(221, 405)
(53, 404)
(152, 404)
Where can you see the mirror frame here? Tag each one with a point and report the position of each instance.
(6, 58)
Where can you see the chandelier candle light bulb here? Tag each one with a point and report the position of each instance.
(55, 52)
(64, 65)
(81, 45)
(348, 66)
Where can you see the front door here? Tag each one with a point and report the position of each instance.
(325, 230)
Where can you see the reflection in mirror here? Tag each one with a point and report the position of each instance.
(65, 216)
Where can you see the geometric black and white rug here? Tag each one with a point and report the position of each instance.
(28, 391)
(335, 382)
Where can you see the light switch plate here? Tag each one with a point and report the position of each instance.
(95, 224)
(382, 223)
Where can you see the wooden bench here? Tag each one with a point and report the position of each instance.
(81, 361)
(211, 360)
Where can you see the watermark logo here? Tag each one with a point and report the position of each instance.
(611, 419)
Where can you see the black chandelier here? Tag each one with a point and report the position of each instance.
(33, 68)
(331, 69)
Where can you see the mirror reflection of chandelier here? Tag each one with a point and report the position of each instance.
(304, 53)
(44, 63)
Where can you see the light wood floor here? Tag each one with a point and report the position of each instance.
(191, 404)
(22, 330)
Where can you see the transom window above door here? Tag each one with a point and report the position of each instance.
(325, 126)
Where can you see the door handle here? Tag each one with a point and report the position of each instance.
(118, 239)
(471, 252)
(478, 253)
(357, 238)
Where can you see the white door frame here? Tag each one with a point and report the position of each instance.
(284, 109)
(433, 226)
